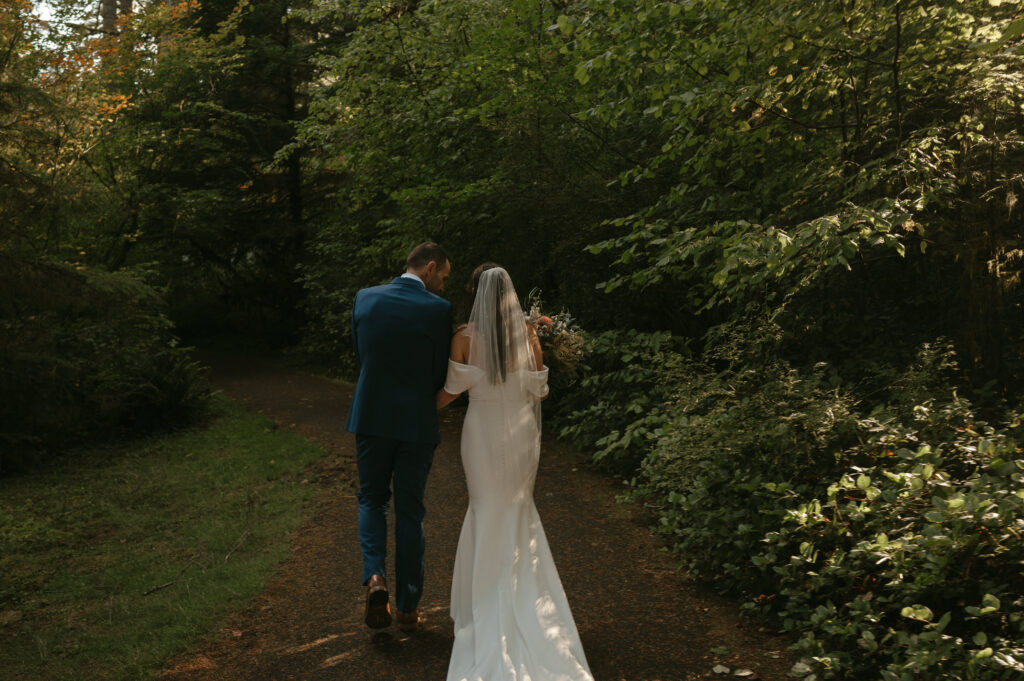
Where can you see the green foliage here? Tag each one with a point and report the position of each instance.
(17, 94)
(86, 354)
(213, 91)
(783, 143)
(617, 407)
(454, 121)
(884, 541)
(909, 558)
(739, 440)
(48, 118)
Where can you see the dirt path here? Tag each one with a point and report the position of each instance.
(639, 619)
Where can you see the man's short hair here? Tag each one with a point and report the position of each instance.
(424, 254)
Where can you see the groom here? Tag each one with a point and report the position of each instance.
(401, 333)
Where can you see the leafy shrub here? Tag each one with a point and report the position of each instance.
(889, 542)
(616, 407)
(85, 354)
(742, 443)
(911, 564)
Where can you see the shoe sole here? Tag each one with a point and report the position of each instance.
(378, 615)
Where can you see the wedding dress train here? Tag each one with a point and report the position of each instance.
(512, 619)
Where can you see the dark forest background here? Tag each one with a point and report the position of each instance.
(790, 232)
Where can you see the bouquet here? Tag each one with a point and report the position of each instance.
(561, 338)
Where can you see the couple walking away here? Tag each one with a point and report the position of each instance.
(512, 619)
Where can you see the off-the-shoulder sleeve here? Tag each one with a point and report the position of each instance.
(537, 382)
(461, 377)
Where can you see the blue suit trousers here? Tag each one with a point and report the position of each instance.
(381, 461)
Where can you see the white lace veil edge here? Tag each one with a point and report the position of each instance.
(499, 343)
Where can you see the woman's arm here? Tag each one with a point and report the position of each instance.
(538, 353)
(460, 354)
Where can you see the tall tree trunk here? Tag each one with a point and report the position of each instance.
(108, 15)
(295, 159)
(110, 10)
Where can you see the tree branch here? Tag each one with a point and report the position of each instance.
(783, 116)
(896, 78)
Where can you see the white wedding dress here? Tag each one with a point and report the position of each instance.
(512, 619)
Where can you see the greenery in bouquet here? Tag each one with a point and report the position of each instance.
(561, 337)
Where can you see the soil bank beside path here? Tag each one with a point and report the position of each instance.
(639, 619)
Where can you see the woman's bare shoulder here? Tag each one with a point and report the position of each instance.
(460, 344)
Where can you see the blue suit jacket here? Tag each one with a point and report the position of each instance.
(402, 335)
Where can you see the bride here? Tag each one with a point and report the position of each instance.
(512, 619)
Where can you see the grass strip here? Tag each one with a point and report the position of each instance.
(114, 559)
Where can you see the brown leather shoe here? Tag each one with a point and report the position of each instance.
(408, 621)
(378, 610)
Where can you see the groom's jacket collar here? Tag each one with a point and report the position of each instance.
(409, 276)
(409, 283)
(414, 285)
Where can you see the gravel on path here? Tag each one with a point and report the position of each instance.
(639, 618)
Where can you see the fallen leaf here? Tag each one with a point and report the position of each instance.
(800, 669)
